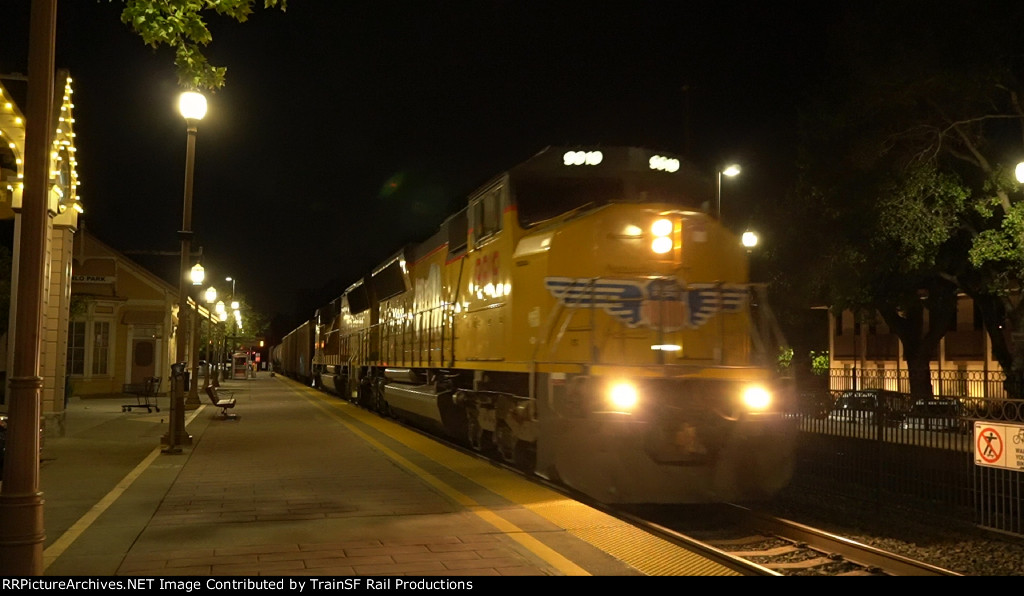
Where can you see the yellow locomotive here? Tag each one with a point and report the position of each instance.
(582, 318)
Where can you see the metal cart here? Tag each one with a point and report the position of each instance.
(145, 394)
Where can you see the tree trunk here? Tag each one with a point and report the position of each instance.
(919, 372)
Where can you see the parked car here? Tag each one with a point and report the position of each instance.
(870, 406)
(943, 414)
(814, 404)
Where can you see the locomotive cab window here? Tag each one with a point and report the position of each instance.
(486, 214)
(458, 232)
(539, 199)
(358, 299)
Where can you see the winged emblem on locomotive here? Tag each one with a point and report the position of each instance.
(659, 302)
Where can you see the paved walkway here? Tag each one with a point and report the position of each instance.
(300, 484)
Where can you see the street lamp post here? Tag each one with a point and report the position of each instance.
(22, 532)
(730, 171)
(198, 274)
(193, 107)
(211, 297)
(236, 326)
(222, 315)
(229, 355)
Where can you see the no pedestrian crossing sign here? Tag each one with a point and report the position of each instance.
(999, 445)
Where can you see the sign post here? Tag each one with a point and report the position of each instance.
(998, 445)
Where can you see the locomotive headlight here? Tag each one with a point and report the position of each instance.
(662, 227)
(622, 396)
(662, 231)
(756, 397)
(661, 245)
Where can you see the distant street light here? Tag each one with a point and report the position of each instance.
(730, 171)
(750, 240)
(197, 274)
(1019, 172)
(192, 106)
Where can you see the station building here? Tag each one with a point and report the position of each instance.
(106, 320)
(865, 353)
(63, 207)
(122, 321)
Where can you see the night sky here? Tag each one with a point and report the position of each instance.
(349, 127)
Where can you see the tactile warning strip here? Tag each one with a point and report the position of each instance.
(646, 553)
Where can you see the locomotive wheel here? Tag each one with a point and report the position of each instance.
(380, 404)
(478, 438)
(505, 441)
(526, 456)
(365, 398)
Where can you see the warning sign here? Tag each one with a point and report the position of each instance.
(999, 445)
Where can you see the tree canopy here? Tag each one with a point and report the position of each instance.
(905, 166)
(182, 26)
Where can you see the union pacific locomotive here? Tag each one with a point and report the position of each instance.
(582, 318)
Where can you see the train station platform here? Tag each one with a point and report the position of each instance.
(306, 484)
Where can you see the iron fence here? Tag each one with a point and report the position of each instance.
(867, 438)
(944, 383)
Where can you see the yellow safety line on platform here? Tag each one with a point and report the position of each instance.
(521, 536)
(55, 550)
(647, 553)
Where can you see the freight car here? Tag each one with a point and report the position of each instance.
(293, 357)
(583, 318)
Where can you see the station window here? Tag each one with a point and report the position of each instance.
(76, 348)
(100, 347)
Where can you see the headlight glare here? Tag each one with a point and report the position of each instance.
(622, 396)
(756, 397)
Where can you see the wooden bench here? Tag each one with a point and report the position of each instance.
(223, 402)
(145, 394)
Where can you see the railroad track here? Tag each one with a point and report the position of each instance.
(776, 546)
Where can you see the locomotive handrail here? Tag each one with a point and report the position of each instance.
(556, 313)
(455, 300)
(769, 326)
(757, 335)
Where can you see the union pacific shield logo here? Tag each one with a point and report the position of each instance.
(662, 303)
